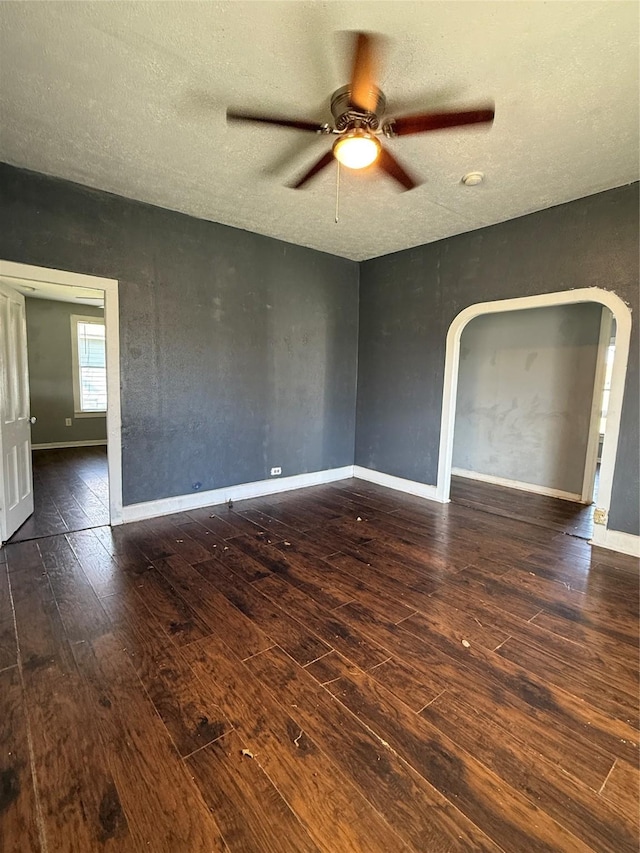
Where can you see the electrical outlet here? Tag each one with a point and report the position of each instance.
(68, 421)
(599, 515)
(275, 472)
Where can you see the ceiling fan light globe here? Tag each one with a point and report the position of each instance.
(356, 151)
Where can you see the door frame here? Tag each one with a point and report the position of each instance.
(622, 316)
(591, 464)
(112, 324)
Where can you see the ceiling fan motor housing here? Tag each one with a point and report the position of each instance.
(347, 115)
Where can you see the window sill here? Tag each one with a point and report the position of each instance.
(90, 415)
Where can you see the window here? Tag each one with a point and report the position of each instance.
(89, 366)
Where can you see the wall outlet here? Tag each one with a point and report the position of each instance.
(68, 421)
(275, 472)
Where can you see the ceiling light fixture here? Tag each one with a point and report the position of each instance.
(356, 150)
(25, 288)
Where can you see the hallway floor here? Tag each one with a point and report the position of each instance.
(70, 491)
(558, 515)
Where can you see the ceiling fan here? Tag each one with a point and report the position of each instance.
(359, 115)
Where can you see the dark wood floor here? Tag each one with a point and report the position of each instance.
(574, 519)
(70, 491)
(339, 669)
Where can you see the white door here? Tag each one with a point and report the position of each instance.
(16, 486)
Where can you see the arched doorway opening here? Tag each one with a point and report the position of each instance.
(622, 317)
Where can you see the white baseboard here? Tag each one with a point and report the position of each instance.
(517, 484)
(100, 442)
(183, 503)
(398, 483)
(616, 540)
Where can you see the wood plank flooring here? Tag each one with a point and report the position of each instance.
(70, 491)
(338, 669)
(574, 519)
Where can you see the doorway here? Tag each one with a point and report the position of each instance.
(70, 325)
(528, 414)
(622, 316)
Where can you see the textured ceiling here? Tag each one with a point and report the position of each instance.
(54, 292)
(131, 98)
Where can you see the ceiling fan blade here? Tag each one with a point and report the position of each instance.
(405, 125)
(322, 163)
(390, 165)
(363, 84)
(280, 121)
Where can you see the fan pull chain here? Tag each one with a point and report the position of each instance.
(337, 189)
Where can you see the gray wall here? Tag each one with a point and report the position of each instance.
(238, 352)
(409, 299)
(51, 373)
(525, 390)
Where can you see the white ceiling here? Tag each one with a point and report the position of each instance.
(131, 98)
(55, 292)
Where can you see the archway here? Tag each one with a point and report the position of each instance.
(622, 316)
